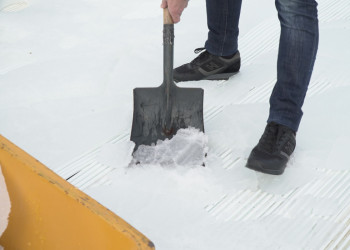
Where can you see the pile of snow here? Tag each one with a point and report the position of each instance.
(187, 148)
(5, 204)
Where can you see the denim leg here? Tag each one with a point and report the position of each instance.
(296, 57)
(223, 19)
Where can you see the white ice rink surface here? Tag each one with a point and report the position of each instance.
(67, 71)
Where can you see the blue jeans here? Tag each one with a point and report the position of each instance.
(296, 56)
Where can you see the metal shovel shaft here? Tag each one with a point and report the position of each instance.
(168, 62)
(160, 112)
(168, 48)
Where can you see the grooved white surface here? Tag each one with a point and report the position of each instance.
(67, 71)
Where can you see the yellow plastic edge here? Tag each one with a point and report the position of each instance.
(49, 213)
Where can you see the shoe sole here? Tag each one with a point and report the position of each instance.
(222, 76)
(216, 77)
(264, 170)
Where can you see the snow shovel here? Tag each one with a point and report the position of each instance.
(160, 112)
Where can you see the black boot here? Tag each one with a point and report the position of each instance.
(208, 67)
(273, 151)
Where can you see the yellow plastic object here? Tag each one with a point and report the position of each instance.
(49, 213)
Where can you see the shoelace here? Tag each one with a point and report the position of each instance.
(274, 137)
(203, 56)
(282, 137)
(198, 50)
(269, 137)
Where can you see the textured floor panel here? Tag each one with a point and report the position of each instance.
(87, 169)
(316, 214)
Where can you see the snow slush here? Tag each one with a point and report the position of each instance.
(187, 148)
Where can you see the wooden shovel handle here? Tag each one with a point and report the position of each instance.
(167, 19)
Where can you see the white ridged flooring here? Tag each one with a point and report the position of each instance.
(325, 225)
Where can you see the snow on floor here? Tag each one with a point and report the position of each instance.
(5, 205)
(66, 77)
(187, 148)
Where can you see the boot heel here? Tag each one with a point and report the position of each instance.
(234, 67)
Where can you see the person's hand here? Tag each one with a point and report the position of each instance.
(175, 8)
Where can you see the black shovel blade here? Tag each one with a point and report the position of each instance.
(157, 117)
